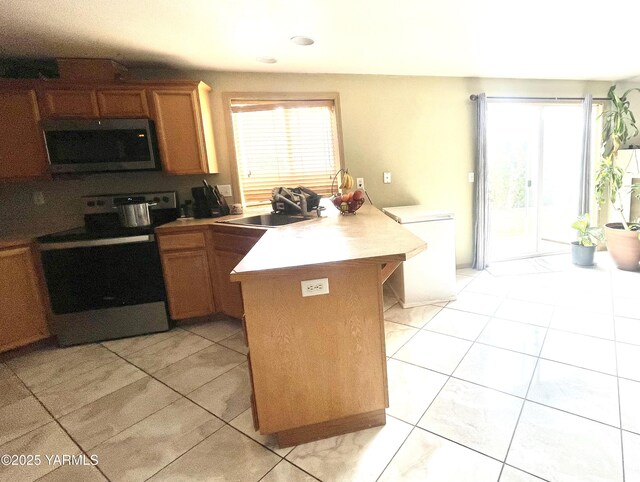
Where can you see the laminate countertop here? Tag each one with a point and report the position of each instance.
(369, 235)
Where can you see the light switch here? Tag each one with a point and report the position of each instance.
(471, 177)
(386, 177)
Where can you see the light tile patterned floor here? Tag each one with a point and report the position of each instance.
(532, 374)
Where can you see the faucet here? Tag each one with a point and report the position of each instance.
(303, 202)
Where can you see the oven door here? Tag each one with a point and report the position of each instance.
(105, 288)
(106, 273)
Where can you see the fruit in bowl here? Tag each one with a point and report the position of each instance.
(349, 203)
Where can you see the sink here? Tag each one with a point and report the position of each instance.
(268, 220)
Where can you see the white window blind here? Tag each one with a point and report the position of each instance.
(286, 143)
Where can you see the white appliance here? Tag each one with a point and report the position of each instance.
(430, 276)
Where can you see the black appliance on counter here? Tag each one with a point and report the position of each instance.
(208, 202)
(105, 281)
(101, 145)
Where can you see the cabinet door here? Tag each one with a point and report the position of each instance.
(22, 310)
(22, 150)
(229, 293)
(180, 131)
(123, 103)
(70, 103)
(188, 283)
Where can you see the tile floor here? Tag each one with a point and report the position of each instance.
(533, 373)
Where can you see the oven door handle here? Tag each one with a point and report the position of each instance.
(92, 243)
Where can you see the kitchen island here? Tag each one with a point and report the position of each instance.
(318, 363)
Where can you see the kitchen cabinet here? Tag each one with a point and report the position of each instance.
(183, 124)
(22, 150)
(70, 102)
(329, 376)
(91, 102)
(230, 245)
(197, 262)
(180, 110)
(123, 102)
(187, 269)
(23, 316)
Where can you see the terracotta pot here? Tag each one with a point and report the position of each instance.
(623, 245)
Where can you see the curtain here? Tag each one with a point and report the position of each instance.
(585, 168)
(481, 194)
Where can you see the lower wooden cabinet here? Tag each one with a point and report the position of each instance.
(229, 293)
(230, 245)
(197, 263)
(187, 266)
(186, 276)
(23, 314)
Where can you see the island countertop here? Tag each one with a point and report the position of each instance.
(368, 235)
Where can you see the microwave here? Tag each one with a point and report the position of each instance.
(100, 145)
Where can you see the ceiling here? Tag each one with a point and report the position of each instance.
(542, 39)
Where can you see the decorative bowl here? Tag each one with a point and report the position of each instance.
(348, 203)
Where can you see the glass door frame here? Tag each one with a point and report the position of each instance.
(539, 188)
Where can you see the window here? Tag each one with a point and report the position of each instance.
(287, 142)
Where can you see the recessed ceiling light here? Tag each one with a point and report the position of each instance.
(266, 60)
(302, 40)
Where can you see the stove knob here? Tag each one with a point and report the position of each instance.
(156, 199)
(165, 199)
(100, 203)
(91, 203)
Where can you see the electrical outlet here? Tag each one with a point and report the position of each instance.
(225, 190)
(314, 287)
(386, 177)
(360, 182)
(38, 198)
(471, 177)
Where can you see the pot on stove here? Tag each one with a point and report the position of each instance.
(134, 214)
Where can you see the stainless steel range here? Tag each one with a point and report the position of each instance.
(105, 281)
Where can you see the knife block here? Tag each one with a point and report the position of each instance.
(203, 207)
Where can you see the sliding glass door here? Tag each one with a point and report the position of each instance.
(534, 160)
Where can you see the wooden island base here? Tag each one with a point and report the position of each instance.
(317, 364)
(311, 433)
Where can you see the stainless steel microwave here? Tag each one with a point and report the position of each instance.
(101, 145)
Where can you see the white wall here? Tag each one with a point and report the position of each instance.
(419, 128)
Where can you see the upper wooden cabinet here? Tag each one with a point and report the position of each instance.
(22, 298)
(92, 103)
(183, 125)
(123, 102)
(22, 149)
(70, 103)
(180, 110)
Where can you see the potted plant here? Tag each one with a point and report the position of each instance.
(618, 126)
(583, 250)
